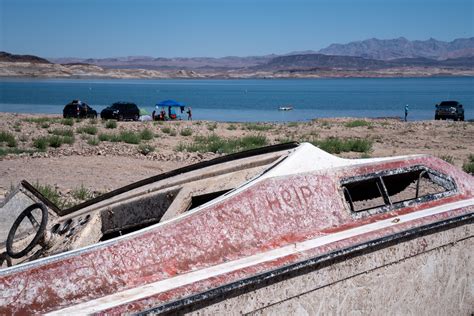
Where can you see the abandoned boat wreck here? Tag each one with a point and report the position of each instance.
(286, 228)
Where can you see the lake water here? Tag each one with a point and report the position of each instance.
(248, 100)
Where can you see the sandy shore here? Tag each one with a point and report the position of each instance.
(101, 166)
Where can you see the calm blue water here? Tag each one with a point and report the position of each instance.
(248, 100)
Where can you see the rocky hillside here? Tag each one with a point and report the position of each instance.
(315, 61)
(330, 62)
(50, 70)
(12, 58)
(160, 63)
(403, 48)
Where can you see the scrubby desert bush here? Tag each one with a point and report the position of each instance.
(145, 149)
(55, 141)
(103, 137)
(67, 121)
(8, 139)
(357, 123)
(51, 193)
(81, 193)
(336, 145)
(129, 137)
(39, 120)
(41, 143)
(111, 124)
(217, 144)
(468, 166)
(88, 129)
(257, 127)
(146, 134)
(212, 126)
(93, 141)
(186, 132)
(62, 132)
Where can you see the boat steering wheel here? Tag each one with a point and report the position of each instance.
(39, 227)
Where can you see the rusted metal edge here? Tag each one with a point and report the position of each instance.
(159, 177)
(215, 295)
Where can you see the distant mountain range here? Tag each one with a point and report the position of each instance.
(402, 48)
(161, 63)
(330, 62)
(375, 50)
(373, 57)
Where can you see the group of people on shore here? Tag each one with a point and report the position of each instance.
(171, 115)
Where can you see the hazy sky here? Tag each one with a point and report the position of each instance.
(107, 28)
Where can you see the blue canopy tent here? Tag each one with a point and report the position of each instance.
(171, 105)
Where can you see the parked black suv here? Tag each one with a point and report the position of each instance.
(79, 109)
(449, 110)
(121, 111)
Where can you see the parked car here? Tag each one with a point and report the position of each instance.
(121, 111)
(79, 109)
(449, 110)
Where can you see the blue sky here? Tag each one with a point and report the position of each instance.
(216, 28)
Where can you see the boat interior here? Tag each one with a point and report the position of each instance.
(45, 230)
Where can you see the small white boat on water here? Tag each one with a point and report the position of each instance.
(285, 108)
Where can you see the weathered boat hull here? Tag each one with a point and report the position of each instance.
(282, 241)
(428, 273)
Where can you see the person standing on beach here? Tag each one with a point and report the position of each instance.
(190, 114)
(406, 112)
